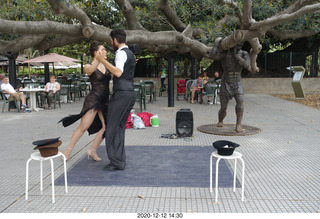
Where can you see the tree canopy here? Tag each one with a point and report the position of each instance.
(159, 26)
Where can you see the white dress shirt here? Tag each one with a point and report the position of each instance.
(121, 58)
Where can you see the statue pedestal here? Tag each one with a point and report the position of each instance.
(228, 130)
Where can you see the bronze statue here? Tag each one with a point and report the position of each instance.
(233, 61)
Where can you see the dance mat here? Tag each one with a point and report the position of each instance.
(152, 166)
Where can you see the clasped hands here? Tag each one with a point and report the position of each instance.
(100, 57)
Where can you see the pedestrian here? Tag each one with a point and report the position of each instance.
(162, 75)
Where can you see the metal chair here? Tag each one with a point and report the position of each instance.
(2, 95)
(216, 90)
(75, 89)
(83, 88)
(65, 91)
(139, 91)
(188, 89)
(210, 91)
(150, 89)
(6, 101)
(56, 99)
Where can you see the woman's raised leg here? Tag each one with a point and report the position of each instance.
(85, 123)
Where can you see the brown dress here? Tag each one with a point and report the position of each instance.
(98, 98)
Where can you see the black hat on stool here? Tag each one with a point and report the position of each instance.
(224, 147)
(47, 147)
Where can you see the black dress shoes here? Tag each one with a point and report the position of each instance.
(111, 167)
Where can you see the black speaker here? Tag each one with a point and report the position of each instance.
(184, 123)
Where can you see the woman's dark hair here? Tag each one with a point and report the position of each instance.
(119, 34)
(94, 47)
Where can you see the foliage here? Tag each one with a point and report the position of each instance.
(263, 9)
(202, 14)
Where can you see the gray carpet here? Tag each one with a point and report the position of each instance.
(148, 166)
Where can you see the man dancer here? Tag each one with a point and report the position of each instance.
(122, 100)
(232, 60)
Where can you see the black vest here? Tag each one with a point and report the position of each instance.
(125, 82)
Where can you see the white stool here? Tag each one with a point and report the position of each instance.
(234, 156)
(37, 156)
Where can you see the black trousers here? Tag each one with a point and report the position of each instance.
(120, 105)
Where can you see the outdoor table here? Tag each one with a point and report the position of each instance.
(33, 98)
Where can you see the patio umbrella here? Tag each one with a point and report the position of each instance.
(52, 58)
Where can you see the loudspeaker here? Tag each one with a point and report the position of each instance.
(184, 123)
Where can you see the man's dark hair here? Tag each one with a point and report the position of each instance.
(119, 34)
(94, 47)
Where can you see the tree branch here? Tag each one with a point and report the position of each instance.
(101, 33)
(74, 12)
(174, 40)
(172, 17)
(39, 27)
(254, 51)
(175, 21)
(247, 14)
(20, 43)
(269, 23)
(58, 42)
(297, 5)
(130, 15)
(233, 5)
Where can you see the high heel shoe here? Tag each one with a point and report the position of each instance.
(67, 153)
(92, 152)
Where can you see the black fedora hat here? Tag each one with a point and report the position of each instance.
(224, 147)
(49, 149)
(45, 141)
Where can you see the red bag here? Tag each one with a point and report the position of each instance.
(145, 118)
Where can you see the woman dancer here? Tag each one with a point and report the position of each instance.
(95, 106)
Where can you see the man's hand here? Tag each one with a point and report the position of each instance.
(100, 57)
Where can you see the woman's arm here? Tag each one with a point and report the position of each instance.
(90, 68)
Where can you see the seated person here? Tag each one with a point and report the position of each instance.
(205, 78)
(196, 86)
(216, 76)
(49, 90)
(206, 85)
(12, 93)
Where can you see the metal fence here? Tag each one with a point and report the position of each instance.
(276, 64)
